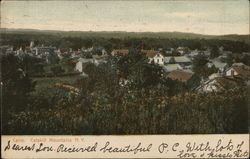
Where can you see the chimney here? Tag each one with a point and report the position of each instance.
(232, 72)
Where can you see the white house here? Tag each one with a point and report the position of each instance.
(158, 59)
(154, 56)
(208, 86)
(217, 84)
(81, 62)
(242, 71)
(104, 52)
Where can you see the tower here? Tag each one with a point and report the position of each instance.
(32, 44)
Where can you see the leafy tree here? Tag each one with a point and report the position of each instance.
(88, 43)
(68, 64)
(16, 84)
(199, 65)
(15, 88)
(32, 65)
(172, 60)
(56, 69)
(229, 60)
(214, 52)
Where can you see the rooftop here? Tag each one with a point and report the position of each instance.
(243, 71)
(123, 51)
(180, 75)
(150, 53)
(178, 59)
(171, 67)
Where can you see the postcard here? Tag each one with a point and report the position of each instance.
(125, 79)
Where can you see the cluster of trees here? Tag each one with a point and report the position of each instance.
(15, 86)
(148, 104)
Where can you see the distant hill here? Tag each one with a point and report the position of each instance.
(121, 34)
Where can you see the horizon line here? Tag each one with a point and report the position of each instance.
(120, 31)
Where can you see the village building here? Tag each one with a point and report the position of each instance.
(240, 71)
(119, 52)
(226, 52)
(221, 66)
(180, 76)
(90, 49)
(237, 55)
(206, 53)
(192, 54)
(182, 50)
(20, 51)
(82, 62)
(154, 56)
(171, 67)
(157, 59)
(218, 84)
(238, 64)
(214, 75)
(123, 82)
(246, 53)
(169, 51)
(32, 44)
(6, 49)
(181, 60)
(44, 50)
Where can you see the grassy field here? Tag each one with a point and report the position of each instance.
(49, 82)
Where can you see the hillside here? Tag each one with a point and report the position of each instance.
(105, 34)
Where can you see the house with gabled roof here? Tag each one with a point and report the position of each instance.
(242, 71)
(180, 76)
(219, 84)
(154, 56)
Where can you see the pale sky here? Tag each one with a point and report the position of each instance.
(203, 17)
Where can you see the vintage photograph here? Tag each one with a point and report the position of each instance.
(124, 67)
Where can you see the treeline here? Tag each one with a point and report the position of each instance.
(59, 41)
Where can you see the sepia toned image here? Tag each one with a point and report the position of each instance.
(124, 67)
